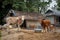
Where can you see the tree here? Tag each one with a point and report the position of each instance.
(1, 2)
(58, 4)
(43, 4)
(27, 5)
(23, 5)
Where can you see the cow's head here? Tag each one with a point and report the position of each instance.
(23, 17)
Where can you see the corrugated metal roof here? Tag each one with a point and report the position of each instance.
(57, 13)
(54, 12)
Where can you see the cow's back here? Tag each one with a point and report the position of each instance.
(46, 22)
(11, 20)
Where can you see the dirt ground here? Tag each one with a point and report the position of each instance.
(29, 35)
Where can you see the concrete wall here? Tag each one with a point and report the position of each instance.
(36, 23)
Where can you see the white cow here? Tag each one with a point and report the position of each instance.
(14, 21)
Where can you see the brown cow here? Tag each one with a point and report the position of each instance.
(46, 24)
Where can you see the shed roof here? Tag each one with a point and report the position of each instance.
(18, 13)
(53, 12)
(29, 15)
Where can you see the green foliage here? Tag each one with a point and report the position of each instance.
(29, 5)
(43, 5)
(58, 4)
(22, 5)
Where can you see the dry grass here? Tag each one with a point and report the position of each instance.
(0, 34)
(31, 35)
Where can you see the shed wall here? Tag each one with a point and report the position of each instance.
(51, 18)
(36, 23)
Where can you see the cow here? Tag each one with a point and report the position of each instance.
(15, 21)
(46, 24)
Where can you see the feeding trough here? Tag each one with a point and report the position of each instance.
(38, 29)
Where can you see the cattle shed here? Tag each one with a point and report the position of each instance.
(53, 16)
(31, 18)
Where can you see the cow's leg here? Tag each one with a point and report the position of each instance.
(19, 27)
(46, 29)
(8, 29)
(15, 25)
